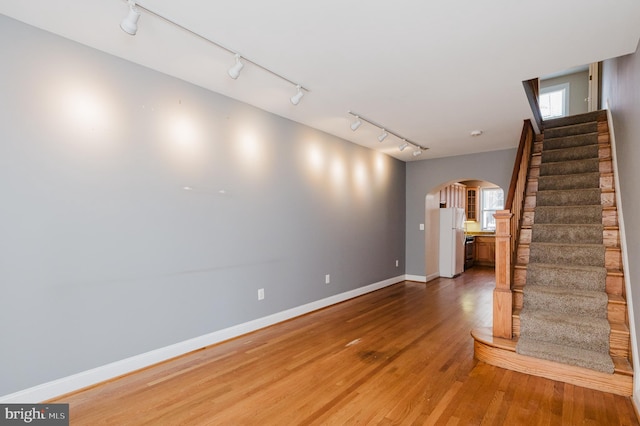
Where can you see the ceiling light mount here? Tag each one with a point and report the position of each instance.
(130, 23)
(295, 99)
(234, 71)
(356, 124)
(386, 132)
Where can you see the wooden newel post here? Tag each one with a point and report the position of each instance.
(502, 298)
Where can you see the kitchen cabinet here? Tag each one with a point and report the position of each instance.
(453, 195)
(485, 246)
(472, 203)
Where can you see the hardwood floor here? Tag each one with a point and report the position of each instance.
(401, 355)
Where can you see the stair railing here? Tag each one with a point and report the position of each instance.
(508, 235)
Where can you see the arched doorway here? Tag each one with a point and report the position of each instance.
(478, 212)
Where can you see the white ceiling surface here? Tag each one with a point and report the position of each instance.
(430, 71)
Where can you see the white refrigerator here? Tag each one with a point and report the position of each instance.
(452, 241)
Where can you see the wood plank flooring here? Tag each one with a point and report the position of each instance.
(402, 355)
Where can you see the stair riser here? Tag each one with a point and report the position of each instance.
(609, 218)
(618, 342)
(595, 116)
(576, 129)
(614, 284)
(612, 258)
(565, 333)
(586, 307)
(569, 182)
(569, 154)
(573, 141)
(605, 184)
(571, 197)
(568, 215)
(615, 312)
(610, 237)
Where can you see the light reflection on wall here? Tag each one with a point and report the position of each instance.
(83, 114)
(182, 138)
(350, 174)
(252, 152)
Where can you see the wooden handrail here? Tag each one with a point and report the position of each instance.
(531, 90)
(508, 234)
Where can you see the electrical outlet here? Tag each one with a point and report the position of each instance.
(260, 293)
(397, 263)
(327, 279)
(422, 226)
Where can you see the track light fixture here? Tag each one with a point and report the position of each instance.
(295, 99)
(130, 24)
(385, 133)
(234, 71)
(356, 124)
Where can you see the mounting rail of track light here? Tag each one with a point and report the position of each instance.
(130, 25)
(385, 132)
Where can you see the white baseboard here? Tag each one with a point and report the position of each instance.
(418, 278)
(106, 372)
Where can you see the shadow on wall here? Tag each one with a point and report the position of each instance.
(463, 193)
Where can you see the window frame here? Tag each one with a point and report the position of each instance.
(483, 225)
(565, 88)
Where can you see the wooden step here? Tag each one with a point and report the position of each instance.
(502, 353)
(610, 236)
(612, 256)
(616, 307)
(618, 339)
(614, 283)
(609, 216)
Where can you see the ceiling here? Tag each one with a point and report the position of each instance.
(430, 71)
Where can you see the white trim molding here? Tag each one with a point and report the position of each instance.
(110, 371)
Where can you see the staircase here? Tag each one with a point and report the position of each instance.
(569, 320)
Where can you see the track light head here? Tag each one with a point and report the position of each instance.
(295, 99)
(234, 71)
(403, 145)
(417, 152)
(130, 24)
(356, 124)
(383, 135)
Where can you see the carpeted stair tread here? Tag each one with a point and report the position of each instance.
(568, 214)
(567, 355)
(578, 331)
(569, 141)
(575, 119)
(567, 233)
(567, 254)
(568, 154)
(570, 197)
(589, 165)
(567, 181)
(574, 129)
(570, 277)
(566, 301)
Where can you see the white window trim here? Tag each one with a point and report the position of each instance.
(567, 95)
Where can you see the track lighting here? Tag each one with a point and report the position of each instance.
(295, 99)
(385, 133)
(234, 71)
(130, 24)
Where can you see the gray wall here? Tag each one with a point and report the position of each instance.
(621, 88)
(105, 255)
(424, 176)
(578, 90)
